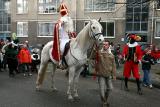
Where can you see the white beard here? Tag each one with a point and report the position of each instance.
(67, 23)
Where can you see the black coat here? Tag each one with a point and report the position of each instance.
(147, 61)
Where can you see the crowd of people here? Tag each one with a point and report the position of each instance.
(17, 58)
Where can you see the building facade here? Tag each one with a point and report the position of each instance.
(33, 20)
(5, 19)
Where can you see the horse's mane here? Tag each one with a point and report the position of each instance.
(88, 25)
(83, 38)
(83, 30)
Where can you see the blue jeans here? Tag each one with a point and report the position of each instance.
(146, 77)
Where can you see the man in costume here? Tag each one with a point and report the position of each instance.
(132, 56)
(62, 29)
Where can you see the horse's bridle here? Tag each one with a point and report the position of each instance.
(94, 35)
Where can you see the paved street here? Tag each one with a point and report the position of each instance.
(20, 92)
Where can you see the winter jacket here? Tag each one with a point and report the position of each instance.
(11, 53)
(24, 56)
(106, 65)
(147, 61)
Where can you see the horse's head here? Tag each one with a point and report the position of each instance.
(96, 31)
(67, 23)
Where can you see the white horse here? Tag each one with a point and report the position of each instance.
(75, 58)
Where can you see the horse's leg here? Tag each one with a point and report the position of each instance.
(104, 91)
(75, 84)
(52, 77)
(41, 74)
(70, 82)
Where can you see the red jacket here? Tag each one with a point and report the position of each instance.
(138, 52)
(24, 56)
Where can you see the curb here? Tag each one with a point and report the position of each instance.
(154, 83)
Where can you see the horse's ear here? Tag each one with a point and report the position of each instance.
(99, 19)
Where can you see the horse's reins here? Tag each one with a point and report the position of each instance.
(93, 36)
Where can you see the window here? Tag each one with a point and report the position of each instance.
(7, 7)
(1, 18)
(108, 29)
(48, 6)
(137, 18)
(137, 26)
(22, 6)
(45, 29)
(22, 29)
(144, 26)
(5, 19)
(129, 26)
(129, 17)
(158, 4)
(157, 35)
(99, 5)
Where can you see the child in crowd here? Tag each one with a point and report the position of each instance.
(147, 61)
(25, 59)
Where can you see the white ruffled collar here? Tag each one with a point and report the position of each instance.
(132, 45)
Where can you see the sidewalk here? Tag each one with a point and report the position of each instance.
(155, 75)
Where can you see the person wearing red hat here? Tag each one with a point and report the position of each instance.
(132, 56)
(62, 29)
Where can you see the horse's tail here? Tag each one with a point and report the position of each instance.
(44, 63)
(41, 73)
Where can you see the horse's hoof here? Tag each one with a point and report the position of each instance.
(37, 88)
(105, 105)
(54, 89)
(68, 92)
(76, 98)
(70, 98)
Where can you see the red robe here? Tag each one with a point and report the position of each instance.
(56, 56)
(131, 65)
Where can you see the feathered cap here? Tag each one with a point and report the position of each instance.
(134, 37)
(63, 9)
